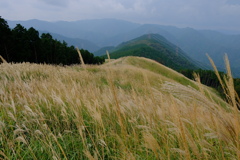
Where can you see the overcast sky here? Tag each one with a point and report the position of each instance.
(200, 14)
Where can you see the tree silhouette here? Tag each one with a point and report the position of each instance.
(5, 39)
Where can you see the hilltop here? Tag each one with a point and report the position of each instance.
(157, 48)
(129, 108)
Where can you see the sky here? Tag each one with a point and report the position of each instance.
(199, 14)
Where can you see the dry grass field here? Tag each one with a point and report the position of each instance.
(129, 108)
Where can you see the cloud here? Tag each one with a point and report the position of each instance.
(183, 13)
(197, 13)
(59, 3)
(4, 4)
(233, 2)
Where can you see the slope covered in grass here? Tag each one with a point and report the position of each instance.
(129, 108)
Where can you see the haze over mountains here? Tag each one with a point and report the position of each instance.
(95, 34)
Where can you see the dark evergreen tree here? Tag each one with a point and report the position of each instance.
(21, 44)
(47, 43)
(34, 44)
(5, 40)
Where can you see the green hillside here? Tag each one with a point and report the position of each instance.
(155, 47)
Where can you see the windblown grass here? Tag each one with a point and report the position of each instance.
(120, 110)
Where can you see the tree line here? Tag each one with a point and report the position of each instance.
(26, 45)
(210, 79)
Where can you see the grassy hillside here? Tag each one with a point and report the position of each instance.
(129, 108)
(155, 47)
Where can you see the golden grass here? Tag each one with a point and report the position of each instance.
(2, 59)
(114, 111)
(232, 98)
(80, 57)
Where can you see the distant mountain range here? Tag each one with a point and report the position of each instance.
(96, 34)
(98, 31)
(77, 42)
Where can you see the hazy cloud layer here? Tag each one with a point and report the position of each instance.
(61, 3)
(221, 14)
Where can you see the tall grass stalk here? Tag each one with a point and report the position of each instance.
(3, 60)
(108, 55)
(228, 87)
(80, 57)
(114, 93)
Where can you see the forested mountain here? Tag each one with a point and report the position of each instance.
(155, 47)
(26, 45)
(196, 43)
